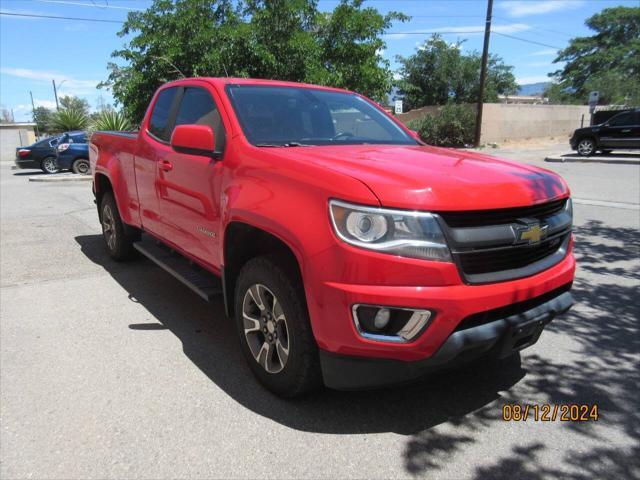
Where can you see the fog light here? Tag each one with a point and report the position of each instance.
(390, 324)
(382, 318)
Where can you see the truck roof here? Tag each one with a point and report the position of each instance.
(222, 81)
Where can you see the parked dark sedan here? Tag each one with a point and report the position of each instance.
(74, 157)
(621, 131)
(42, 154)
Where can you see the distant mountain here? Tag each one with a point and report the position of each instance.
(532, 89)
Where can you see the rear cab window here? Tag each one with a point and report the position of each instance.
(159, 125)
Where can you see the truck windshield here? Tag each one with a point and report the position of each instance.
(274, 116)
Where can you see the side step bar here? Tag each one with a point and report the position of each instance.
(204, 283)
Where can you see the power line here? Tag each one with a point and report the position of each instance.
(527, 40)
(33, 15)
(92, 4)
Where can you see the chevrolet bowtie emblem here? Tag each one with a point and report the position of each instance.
(532, 234)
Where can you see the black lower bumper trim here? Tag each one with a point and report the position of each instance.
(500, 338)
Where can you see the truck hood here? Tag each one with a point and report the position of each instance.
(431, 178)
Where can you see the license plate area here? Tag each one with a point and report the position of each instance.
(523, 334)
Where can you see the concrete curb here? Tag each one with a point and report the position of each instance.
(60, 177)
(576, 159)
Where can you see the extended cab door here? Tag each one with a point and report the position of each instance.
(153, 147)
(189, 185)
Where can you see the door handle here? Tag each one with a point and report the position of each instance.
(626, 130)
(165, 165)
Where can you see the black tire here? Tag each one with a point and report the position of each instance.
(119, 244)
(48, 165)
(81, 166)
(586, 147)
(300, 371)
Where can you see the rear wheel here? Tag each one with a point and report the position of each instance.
(49, 165)
(274, 328)
(119, 244)
(81, 166)
(586, 147)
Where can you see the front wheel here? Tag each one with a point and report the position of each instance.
(81, 166)
(49, 165)
(274, 328)
(586, 147)
(119, 244)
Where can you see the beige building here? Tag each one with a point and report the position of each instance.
(14, 135)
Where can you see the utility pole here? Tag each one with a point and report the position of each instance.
(55, 93)
(483, 71)
(33, 110)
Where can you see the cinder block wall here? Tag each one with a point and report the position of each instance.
(502, 122)
(14, 135)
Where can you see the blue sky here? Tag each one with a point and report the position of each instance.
(33, 51)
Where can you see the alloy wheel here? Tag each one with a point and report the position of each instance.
(49, 165)
(265, 328)
(585, 147)
(109, 227)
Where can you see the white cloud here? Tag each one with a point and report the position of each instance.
(538, 64)
(467, 30)
(68, 85)
(23, 107)
(533, 79)
(543, 53)
(397, 76)
(522, 8)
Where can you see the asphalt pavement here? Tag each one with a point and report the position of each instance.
(114, 370)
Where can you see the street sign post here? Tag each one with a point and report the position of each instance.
(398, 107)
(593, 101)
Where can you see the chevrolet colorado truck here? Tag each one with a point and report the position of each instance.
(349, 253)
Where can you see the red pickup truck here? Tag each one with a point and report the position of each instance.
(349, 253)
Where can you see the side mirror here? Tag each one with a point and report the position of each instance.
(194, 140)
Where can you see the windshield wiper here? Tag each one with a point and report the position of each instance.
(289, 144)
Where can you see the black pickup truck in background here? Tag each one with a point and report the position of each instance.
(622, 131)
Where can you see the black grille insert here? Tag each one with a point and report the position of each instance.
(481, 218)
(485, 261)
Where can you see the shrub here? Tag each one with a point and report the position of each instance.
(111, 120)
(68, 119)
(452, 126)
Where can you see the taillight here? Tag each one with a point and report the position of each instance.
(23, 152)
(62, 147)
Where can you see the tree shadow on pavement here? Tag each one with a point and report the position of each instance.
(209, 340)
(446, 414)
(602, 369)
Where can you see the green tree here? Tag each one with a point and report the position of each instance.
(439, 73)
(608, 61)
(277, 39)
(71, 102)
(43, 118)
(68, 119)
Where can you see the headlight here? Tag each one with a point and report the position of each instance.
(397, 232)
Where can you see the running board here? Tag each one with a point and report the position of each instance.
(204, 283)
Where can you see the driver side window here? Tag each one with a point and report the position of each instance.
(621, 120)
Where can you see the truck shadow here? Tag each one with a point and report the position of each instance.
(209, 340)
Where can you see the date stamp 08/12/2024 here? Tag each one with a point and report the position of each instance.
(546, 412)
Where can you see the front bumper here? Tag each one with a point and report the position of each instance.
(499, 337)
